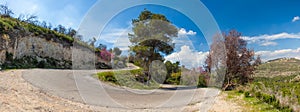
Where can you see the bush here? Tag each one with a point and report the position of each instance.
(107, 76)
(202, 81)
(137, 71)
(128, 78)
(42, 64)
(174, 78)
(4, 27)
(247, 94)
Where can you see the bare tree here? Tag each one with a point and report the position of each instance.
(5, 11)
(216, 61)
(33, 19)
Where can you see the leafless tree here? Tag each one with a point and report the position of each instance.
(5, 11)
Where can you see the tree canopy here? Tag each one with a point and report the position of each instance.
(152, 37)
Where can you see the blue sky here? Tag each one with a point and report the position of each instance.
(271, 27)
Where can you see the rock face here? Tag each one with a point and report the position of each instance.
(42, 48)
(32, 46)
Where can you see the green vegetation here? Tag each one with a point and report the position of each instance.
(8, 24)
(250, 103)
(174, 78)
(128, 78)
(281, 91)
(151, 39)
(34, 62)
(259, 101)
(137, 79)
(283, 87)
(278, 67)
(202, 81)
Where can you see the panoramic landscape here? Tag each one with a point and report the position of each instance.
(160, 55)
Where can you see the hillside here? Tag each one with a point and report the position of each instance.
(278, 67)
(276, 83)
(28, 45)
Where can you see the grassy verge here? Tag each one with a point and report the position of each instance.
(279, 93)
(251, 104)
(129, 78)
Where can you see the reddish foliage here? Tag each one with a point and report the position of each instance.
(106, 55)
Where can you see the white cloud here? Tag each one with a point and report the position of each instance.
(283, 35)
(268, 44)
(269, 55)
(182, 32)
(266, 40)
(183, 39)
(296, 18)
(26, 7)
(112, 35)
(65, 12)
(118, 37)
(188, 57)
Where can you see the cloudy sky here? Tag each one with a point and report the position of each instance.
(271, 27)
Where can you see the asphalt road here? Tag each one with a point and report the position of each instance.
(80, 86)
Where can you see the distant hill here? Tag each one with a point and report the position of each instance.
(284, 59)
(276, 67)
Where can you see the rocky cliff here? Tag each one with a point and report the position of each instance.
(33, 50)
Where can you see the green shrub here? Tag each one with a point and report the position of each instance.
(247, 94)
(127, 78)
(258, 95)
(107, 76)
(137, 71)
(240, 91)
(4, 27)
(42, 64)
(202, 81)
(174, 78)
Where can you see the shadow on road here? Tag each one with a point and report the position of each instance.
(178, 88)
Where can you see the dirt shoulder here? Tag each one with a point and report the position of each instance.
(223, 104)
(18, 95)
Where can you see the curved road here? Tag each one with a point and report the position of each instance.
(80, 86)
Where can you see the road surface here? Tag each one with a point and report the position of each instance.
(80, 86)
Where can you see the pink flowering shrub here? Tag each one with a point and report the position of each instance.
(106, 55)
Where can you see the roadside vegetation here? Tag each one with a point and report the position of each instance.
(276, 87)
(270, 86)
(280, 84)
(249, 103)
(128, 78)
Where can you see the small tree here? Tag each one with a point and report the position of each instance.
(71, 32)
(117, 51)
